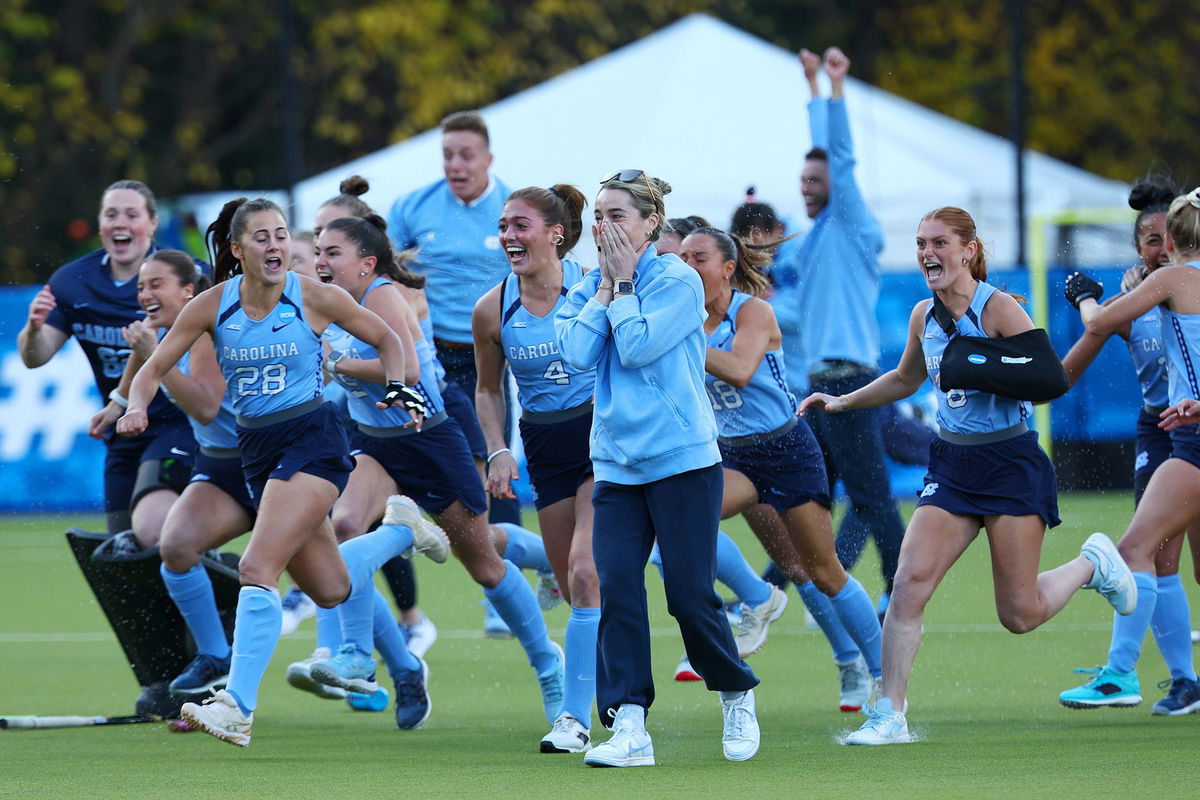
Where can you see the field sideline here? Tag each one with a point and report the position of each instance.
(984, 702)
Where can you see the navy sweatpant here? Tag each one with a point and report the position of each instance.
(682, 511)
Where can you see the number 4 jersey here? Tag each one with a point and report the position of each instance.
(765, 403)
(270, 364)
(544, 381)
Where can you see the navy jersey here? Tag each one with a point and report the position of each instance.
(763, 404)
(270, 364)
(1149, 360)
(545, 382)
(968, 410)
(94, 308)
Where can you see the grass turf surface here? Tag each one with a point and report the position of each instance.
(983, 701)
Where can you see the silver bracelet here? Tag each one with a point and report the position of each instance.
(118, 398)
(498, 452)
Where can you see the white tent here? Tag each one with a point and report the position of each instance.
(712, 110)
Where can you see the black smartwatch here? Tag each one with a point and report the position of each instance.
(623, 286)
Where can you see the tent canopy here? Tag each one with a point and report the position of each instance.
(712, 110)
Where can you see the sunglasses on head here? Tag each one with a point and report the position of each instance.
(622, 175)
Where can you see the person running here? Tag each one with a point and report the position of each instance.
(638, 321)
(513, 325)
(1154, 536)
(986, 471)
(265, 323)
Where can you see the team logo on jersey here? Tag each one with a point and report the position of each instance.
(976, 358)
(929, 489)
(1021, 360)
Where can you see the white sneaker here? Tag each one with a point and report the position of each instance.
(428, 539)
(752, 627)
(549, 594)
(299, 675)
(220, 716)
(297, 607)
(567, 736)
(856, 685)
(420, 636)
(883, 726)
(630, 745)
(1110, 574)
(740, 735)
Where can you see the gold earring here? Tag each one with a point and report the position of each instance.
(558, 239)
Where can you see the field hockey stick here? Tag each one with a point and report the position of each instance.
(30, 722)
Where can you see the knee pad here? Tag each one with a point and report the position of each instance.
(154, 474)
(127, 585)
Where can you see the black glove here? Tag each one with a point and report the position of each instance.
(406, 397)
(1080, 287)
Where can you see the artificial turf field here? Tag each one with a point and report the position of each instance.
(983, 701)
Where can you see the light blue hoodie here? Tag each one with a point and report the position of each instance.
(653, 418)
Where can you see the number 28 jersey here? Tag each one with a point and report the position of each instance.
(545, 382)
(270, 364)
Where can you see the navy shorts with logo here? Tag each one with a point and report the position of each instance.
(313, 443)
(559, 457)
(786, 466)
(225, 474)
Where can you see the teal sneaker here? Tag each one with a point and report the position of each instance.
(1107, 688)
(351, 669)
(1184, 698)
(377, 701)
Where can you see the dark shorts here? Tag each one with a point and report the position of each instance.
(1185, 444)
(1152, 447)
(125, 482)
(313, 443)
(787, 468)
(1011, 478)
(433, 467)
(559, 457)
(225, 474)
(461, 410)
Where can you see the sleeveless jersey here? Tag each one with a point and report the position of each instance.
(219, 434)
(270, 364)
(545, 382)
(363, 394)
(1181, 340)
(968, 410)
(1149, 361)
(763, 404)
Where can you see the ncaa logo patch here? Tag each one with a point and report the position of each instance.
(929, 489)
(975, 358)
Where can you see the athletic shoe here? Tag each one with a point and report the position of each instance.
(856, 685)
(883, 726)
(351, 669)
(552, 683)
(1111, 576)
(567, 736)
(220, 716)
(630, 745)
(157, 699)
(204, 673)
(377, 701)
(429, 540)
(297, 607)
(299, 675)
(1107, 688)
(684, 672)
(494, 626)
(412, 698)
(1184, 698)
(549, 594)
(420, 637)
(740, 734)
(753, 625)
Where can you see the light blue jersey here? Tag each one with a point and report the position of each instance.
(968, 410)
(221, 433)
(1181, 340)
(460, 254)
(271, 364)
(363, 395)
(545, 381)
(765, 403)
(1149, 359)
(439, 372)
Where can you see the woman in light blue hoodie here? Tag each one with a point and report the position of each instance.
(638, 321)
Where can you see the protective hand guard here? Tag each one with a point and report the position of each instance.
(406, 397)
(1079, 287)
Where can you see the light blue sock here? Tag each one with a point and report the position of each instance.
(192, 592)
(329, 629)
(389, 641)
(525, 548)
(255, 634)
(364, 555)
(1172, 627)
(517, 606)
(735, 572)
(857, 614)
(844, 648)
(1128, 632)
(580, 689)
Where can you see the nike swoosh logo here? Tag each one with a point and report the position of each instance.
(178, 452)
(278, 328)
(80, 305)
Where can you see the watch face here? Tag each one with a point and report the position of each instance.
(624, 287)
